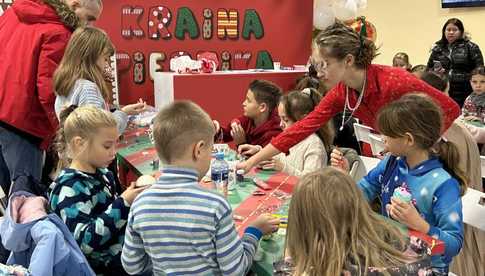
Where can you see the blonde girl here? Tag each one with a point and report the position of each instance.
(83, 195)
(79, 79)
(332, 231)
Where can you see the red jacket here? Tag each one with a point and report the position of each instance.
(260, 135)
(33, 40)
(384, 84)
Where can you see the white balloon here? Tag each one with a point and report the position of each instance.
(345, 11)
(361, 5)
(323, 17)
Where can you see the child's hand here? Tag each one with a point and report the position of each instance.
(238, 134)
(338, 160)
(266, 224)
(407, 214)
(248, 150)
(134, 109)
(132, 192)
(471, 118)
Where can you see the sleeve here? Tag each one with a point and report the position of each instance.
(51, 52)
(133, 257)
(313, 158)
(449, 107)
(330, 105)
(74, 205)
(476, 55)
(225, 132)
(465, 110)
(477, 133)
(50, 248)
(447, 210)
(432, 57)
(90, 95)
(372, 182)
(234, 255)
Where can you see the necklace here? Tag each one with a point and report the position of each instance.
(347, 103)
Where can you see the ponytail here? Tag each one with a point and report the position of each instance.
(449, 155)
(60, 143)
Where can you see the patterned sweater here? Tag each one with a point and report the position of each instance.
(475, 106)
(176, 227)
(436, 194)
(90, 208)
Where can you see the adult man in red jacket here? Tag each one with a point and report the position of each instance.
(33, 36)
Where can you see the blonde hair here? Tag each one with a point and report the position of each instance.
(330, 225)
(85, 47)
(339, 40)
(81, 122)
(179, 125)
(420, 116)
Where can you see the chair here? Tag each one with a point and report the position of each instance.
(376, 144)
(362, 133)
(3, 202)
(474, 208)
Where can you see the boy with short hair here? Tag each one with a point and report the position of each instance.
(260, 121)
(176, 227)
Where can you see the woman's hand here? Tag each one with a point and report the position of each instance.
(134, 109)
(248, 150)
(407, 214)
(338, 160)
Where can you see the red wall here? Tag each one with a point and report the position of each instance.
(287, 35)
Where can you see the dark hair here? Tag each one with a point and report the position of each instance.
(339, 40)
(419, 115)
(419, 68)
(266, 92)
(438, 81)
(480, 70)
(457, 22)
(404, 57)
(307, 82)
(300, 103)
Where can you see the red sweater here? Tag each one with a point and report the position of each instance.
(260, 135)
(384, 84)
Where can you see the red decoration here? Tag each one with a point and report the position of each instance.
(356, 24)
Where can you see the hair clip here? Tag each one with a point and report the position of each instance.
(307, 91)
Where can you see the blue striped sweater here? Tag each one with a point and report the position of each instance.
(177, 227)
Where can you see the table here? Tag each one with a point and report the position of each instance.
(220, 93)
(136, 154)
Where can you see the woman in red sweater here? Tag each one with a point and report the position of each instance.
(343, 59)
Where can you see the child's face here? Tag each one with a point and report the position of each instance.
(285, 122)
(251, 107)
(478, 84)
(103, 61)
(396, 146)
(100, 151)
(397, 62)
(203, 157)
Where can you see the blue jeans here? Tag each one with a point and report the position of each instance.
(18, 157)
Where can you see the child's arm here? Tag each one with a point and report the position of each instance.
(134, 258)
(90, 95)
(234, 255)
(314, 158)
(448, 213)
(73, 203)
(371, 183)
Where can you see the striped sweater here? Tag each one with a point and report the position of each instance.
(86, 92)
(177, 227)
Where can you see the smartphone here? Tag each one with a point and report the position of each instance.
(437, 66)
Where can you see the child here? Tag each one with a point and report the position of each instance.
(333, 231)
(427, 167)
(310, 154)
(260, 121)
(197, 235)
(401, 60)
(79, 79)
(419, 69)
(474, 106)
(83, 194)
(438, 81)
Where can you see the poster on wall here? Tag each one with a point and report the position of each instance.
(240, 34)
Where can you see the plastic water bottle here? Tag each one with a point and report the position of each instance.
(220, 173)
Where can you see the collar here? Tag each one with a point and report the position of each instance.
(422, 168)
(175, 177)
(69, 172)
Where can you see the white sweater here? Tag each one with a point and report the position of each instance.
(307, 156)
